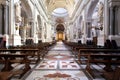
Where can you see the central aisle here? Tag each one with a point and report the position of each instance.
(58, 64)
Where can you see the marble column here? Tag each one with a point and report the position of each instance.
(3, 19)
(6, 17)
(14, 39)
(106, 19)
(116, 20)
(111, 20)
(11, 17)
(113, 14)
(5, 14)
(84, 37)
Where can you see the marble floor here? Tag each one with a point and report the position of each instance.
(59, 64)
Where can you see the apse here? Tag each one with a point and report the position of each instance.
(60, 27)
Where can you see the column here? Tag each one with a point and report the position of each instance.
(106, 19)
(6, 17)
(85, 27)
(3, 19)
(14, 39)
(113, 11)
(11, 17)
(6, 22)
(34, 22)
(111, 21)
(116, 20)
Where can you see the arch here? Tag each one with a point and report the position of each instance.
(90, 11)
(80, 22)
(60, 27)
(80, 19)
(39, 31)
(45, 30)
(80, 27)
(60, 32)
(26, 25)
(91, 8)
(26, 7)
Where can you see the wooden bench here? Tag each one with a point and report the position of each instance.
(7, 58)
(26, 51)
(115, 75)
(77, 48)
(104, 56)
(7, 75)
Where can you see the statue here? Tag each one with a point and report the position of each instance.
(100, 12)
(100, 15)
(18, 12)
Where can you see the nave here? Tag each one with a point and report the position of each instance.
(90, 30)
(60, 64)
(59, 61)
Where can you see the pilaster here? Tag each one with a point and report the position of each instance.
(14, 37)
(114, 6)
(113, 10)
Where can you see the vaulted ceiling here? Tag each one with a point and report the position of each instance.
(52, 5)
(66, 4)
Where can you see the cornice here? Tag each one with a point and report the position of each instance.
(79, 8)
(41, 9)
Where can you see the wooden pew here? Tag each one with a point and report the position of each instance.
(115, 75)
(30, 51)
(9, 59)
(104, 56)
(9, 56)
(9, 74)
(77, 48)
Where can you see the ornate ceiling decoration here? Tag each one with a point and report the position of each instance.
(66, 4)
(60, 20)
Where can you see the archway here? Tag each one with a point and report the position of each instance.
(60, 32)
(39, 27)
(90, 11)
(26, 23)
(80, 28)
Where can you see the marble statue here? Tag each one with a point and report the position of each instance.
(18, 12)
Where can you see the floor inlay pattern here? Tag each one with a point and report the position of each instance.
(59, 57)
(58, 64)
(68, 65)
(57, 75)
(47, 65)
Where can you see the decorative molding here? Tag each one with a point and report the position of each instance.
(79, 8)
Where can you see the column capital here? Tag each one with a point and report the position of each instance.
(6, 2)
(113, 3)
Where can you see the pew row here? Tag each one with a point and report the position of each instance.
(13, 56)
(114, 75)
(107, 57)
(9, 59)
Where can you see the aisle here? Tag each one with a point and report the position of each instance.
(58, 64)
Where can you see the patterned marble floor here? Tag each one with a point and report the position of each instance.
(58, 64)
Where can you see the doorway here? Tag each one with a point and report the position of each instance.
(60, 32)
(60, 36)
